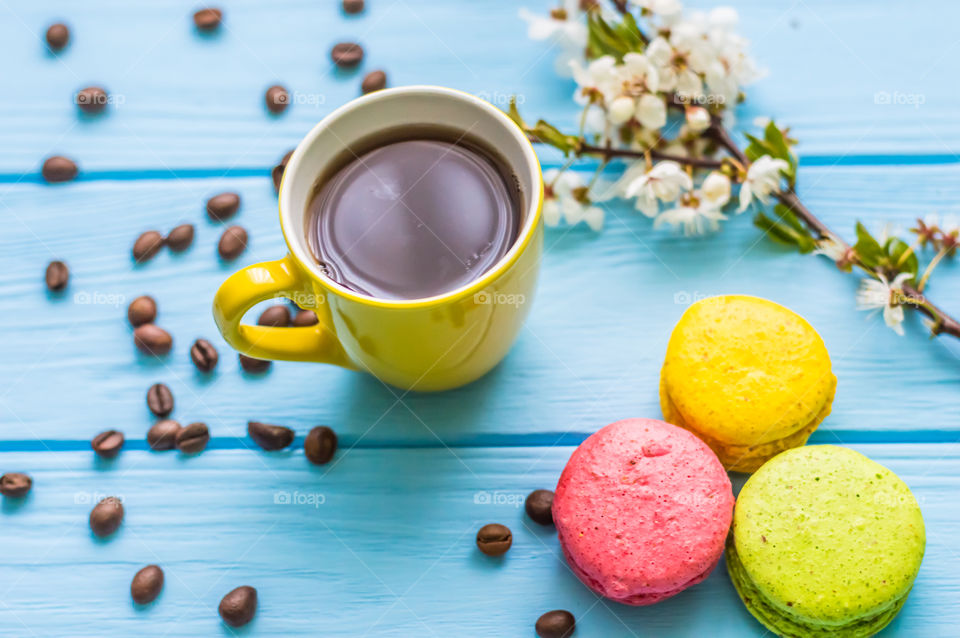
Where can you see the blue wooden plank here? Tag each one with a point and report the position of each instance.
(590, 354)
(373, 545)
(194, 102)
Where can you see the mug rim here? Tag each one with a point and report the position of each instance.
(531, 221)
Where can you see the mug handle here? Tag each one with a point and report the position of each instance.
(268, 280)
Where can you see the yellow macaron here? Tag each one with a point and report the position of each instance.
(748, 376)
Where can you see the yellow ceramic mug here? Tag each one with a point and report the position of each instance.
(427, 344)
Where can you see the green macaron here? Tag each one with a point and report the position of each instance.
(825, 542)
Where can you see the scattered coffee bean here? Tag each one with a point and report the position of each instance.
(180, 238)
(277, 172)
(232, 243)
(539, 506)
(320, 445)
(239, 606)
(147, 585)
(152, 339)
(58, 36)
(352, 6)
(92, 99)
(373, 81)
(277, 316)
(147, 245)
(277, 99)
(494, 539)
(106, 516)
(59, 169)
(142, 310)
(193, 438)
(223, 206)
(270, 437)
(204, 355)
(15, 484)
(304, 318)
(163, 435)
(107, 444)
(57, 276)
(208, 20)
(346, 55)
(254, 366)
(558, 623)
(160, 399)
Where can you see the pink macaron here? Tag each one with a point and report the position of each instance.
(642, 510)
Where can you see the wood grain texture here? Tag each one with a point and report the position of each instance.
(388, 549)
(190, 101)
(590, 354)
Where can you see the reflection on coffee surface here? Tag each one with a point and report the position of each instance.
(414, 218)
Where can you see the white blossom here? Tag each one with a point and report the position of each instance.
(662, 183)
(875, 294)
(621, 110)
(651, 111)
(763, 177)
(698, 118)
(715, 190)
(668, 11)
(562, 204)
(564, 27)
(831, 247)
(694, 220)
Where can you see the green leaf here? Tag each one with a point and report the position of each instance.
(630, 33)
(549, 134)
(868, 249)
(602, 39)
(514, 113)
(896, 249)
(787, 229)
(776, 141)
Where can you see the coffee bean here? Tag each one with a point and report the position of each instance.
(59, 169)
(346, 55)
(223, 206)
(254, 366)
(539, 506)
(106, 516)
(107, 444)
(57, 276)
(180, 238)
(58, 35)
(373, 81)
(92, 99)
(147, 245)
(269, 437)
(15, 484)
(320, 445)
(558, 623)
(208, 20)
(147, 585)
(160, 399)
(277, 173)
(142, 310)
(193, 438)
(277, 316)
(305, 318)
(277, 99)
(352, 6)
(163, 435)
(494, 539)
(151, 339)
(239, 606)
(204, 355)
(232, 243)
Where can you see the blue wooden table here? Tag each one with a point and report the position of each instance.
(380, 542)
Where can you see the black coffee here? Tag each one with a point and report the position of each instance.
(414, 218)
